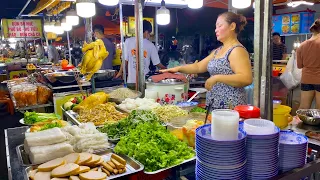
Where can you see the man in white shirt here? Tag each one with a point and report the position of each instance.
(149, 52)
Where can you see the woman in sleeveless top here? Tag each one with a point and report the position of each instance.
(229, 65)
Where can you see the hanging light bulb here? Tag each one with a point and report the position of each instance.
(163, 14)
(195, 4)
(57, 28)
(46, 26)
(72, 17)
(109, 2)
(65, 26)
(241, 4)
(86, 8)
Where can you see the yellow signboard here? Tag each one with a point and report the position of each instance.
(132, 24)
(21, 28)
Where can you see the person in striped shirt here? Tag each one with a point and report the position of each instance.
(279, 49)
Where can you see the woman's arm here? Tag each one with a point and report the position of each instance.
(241, 66)
(195, 68)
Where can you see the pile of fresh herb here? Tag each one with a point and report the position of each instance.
(153, 146)
(122, 127)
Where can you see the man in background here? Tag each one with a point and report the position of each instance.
(53, 54)
(99, 34)
(150, 53)
(279, 49)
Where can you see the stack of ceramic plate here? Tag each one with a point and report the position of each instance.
(292, 150)
(220, 159)
(262, 155)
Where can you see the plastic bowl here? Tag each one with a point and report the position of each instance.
(276, 103)
(187, 105)
(258, 127)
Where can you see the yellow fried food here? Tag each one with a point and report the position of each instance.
(92, 101)
(101, 114)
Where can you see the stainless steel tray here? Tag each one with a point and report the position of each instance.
(161, 170)
(23, 156)
(132, 166)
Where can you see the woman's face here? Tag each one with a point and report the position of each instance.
(223, 29)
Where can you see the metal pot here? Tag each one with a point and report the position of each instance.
(169, 91)
(309, 116)
(105, 75)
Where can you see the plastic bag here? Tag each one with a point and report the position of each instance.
(292, 75)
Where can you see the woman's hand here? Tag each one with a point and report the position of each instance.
(171, 70)
(211, 82)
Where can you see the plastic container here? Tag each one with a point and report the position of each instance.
(281, 116)
(43, 94)
(247, 111)
(187, 105)
(258, 127)
(224, 125)
(184, 127)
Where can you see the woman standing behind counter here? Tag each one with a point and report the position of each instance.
(229, 65)
(308, 60)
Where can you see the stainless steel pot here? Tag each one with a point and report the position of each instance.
(309, 116)
(105, 75)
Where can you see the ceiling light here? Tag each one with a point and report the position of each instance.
(65, 26)
(195, 4)
(298, 3)
(57, 28)
(47, 26)
(109, 2)
(72, 17)
(163, 14)
(86, 8)
(241, 4)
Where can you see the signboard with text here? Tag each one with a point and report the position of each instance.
(21, 28)
(294, 23)
(132, 25)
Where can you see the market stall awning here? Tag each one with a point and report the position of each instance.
(110, 28)
(43, 4)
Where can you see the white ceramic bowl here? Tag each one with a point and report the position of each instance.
(258, 127)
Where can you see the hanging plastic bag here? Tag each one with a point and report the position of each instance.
(292, 75)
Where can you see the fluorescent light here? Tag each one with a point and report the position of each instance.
(163, 15)
(109, 2)
(195, 4)
(298, 3)
(241, 4)
(72, 17)
(86, 8)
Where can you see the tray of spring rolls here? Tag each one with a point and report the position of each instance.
(76, 166)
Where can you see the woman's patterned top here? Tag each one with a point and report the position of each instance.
(223, 96)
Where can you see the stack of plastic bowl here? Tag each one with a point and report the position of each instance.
(262, 148)
(220, 159)
(292, 150)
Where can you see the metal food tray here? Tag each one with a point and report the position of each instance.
(119, 100)
(132, 165)
(164, 169)
(23, 156)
